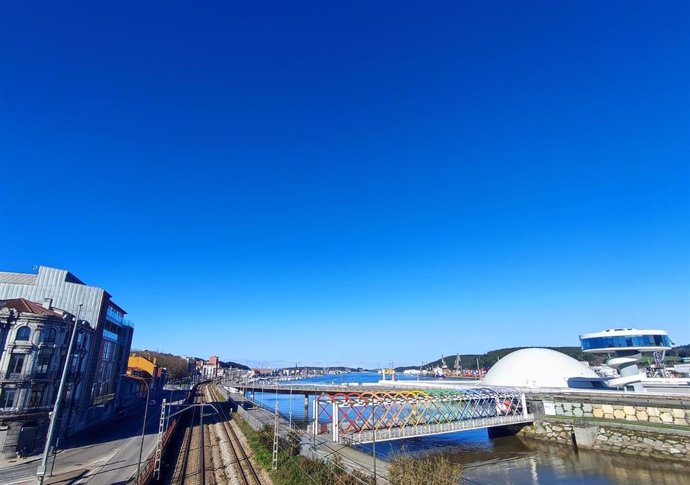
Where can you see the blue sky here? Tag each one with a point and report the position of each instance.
(359, 183)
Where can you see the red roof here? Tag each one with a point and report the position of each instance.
(23, 305)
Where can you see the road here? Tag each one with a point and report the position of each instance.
(104, 458)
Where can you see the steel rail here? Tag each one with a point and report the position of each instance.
(247, 471)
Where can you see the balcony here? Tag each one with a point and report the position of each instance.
(103, 399)
(16, 376)
(25, 376)
(25, 410)
(43, 376)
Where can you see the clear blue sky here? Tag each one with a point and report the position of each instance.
(362, 183)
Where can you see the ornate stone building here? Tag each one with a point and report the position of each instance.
(33, 347)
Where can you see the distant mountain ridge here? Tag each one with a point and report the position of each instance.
(488, 359)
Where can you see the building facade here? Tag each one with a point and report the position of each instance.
(109, 344)
(33, 348)
(133, 390)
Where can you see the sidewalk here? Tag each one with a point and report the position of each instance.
(104, 457)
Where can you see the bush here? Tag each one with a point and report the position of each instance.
(437, 470)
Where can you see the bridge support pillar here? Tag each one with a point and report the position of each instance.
(502, 431)
(306, 407)
(336, 427)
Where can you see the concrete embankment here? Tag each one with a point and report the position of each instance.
(632, 439)
(642, 424)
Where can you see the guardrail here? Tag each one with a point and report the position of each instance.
(608, 397)
(147, 472)
(255, 423)
(389, 434)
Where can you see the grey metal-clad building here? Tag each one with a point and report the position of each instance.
(111, 342)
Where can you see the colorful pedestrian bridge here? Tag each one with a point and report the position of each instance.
(378, 413)
(365, 417)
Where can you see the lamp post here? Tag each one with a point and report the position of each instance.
(143, 427)
(41, 471)
(373, 444)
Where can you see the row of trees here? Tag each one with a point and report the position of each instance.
(179, 368)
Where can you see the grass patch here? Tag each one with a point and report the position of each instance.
(262, 455)
(437, 470)
(218, 395)
(294, 469)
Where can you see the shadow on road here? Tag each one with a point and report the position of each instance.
(126, 426)
(66, 478)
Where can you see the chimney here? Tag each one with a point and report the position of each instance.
(48, 303)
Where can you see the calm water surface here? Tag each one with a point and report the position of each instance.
(507, 460)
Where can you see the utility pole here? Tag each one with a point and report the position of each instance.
(143, 426)
(41, 471)
(274, 461)
(373, 444)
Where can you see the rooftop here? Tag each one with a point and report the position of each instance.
(23, 305)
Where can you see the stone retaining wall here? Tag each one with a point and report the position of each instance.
(668, 444)
(650, 414)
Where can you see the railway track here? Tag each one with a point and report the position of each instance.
(197, 463)
(246, 472)
(190, 468)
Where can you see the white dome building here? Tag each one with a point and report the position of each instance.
(540, 368)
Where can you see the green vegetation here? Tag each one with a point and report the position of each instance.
(230, 364)
(177, 366)
(438, 470)
(294, 469)
(486, 360)
(679, 352)
(262, 454)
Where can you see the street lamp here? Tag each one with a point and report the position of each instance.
(143, 427)
(41, 472)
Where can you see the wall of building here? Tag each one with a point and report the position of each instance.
(23, 422)
(98, 399)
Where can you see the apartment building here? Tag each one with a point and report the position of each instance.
(108, 346)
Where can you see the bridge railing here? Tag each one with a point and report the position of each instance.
(389, 434)
(386, 411)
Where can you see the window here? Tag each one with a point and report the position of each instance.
(74, 366)
(107, 350)
(16, 363)
(36, 398)
(50, 335)
(7, 398)
(114, 314)
(43, 364)
(622, 342)
(23, 333)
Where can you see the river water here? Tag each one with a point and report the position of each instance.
(508, 460)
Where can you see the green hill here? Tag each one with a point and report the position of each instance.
(486, 360)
